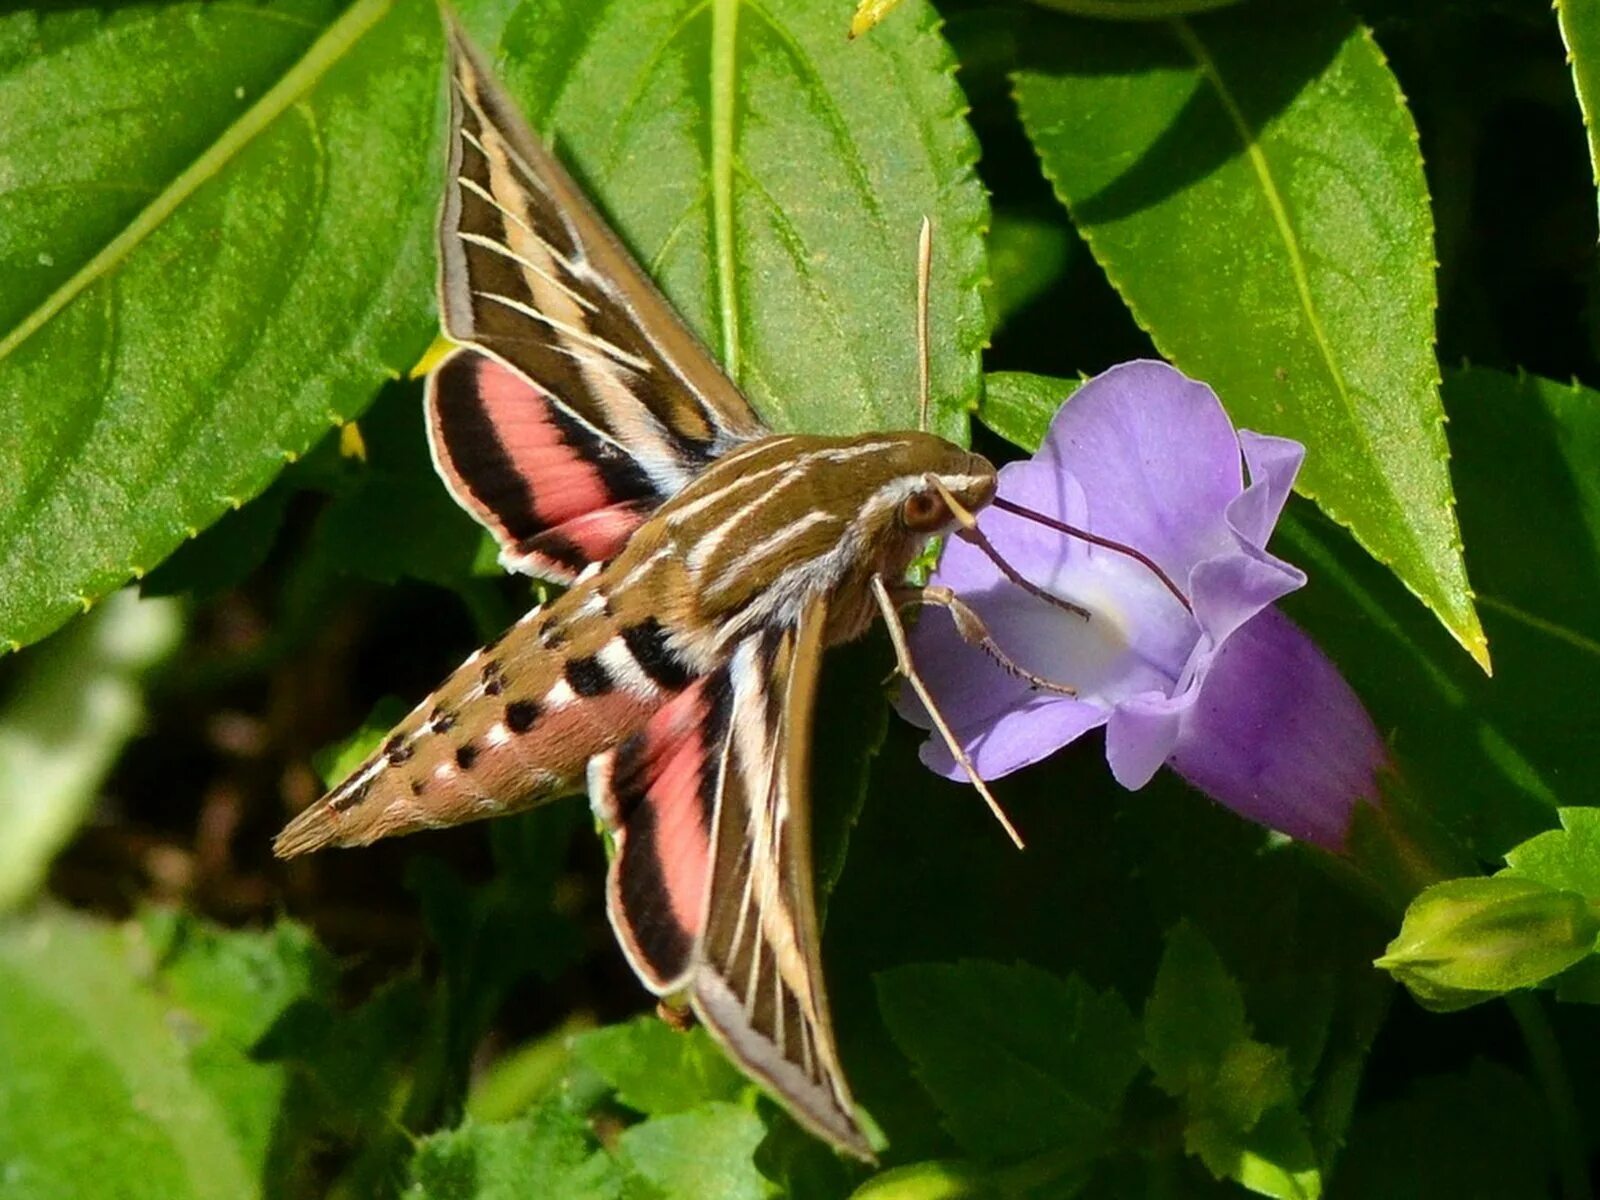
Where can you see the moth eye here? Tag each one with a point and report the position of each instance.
(924, 512)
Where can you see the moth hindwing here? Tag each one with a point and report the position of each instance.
(708, 563)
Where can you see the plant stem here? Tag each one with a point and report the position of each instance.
(1545, 1057)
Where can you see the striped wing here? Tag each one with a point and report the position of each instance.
(711, 889)
(579, 400)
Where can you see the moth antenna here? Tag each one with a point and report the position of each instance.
(974, 632)
(971, 533)
(902, 653)
(1093, 539)
(924, 277)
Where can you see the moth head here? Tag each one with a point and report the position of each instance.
(946, 498)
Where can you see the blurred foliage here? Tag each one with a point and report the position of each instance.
(216, 236)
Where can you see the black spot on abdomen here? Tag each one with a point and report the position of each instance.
(587, 676)
(521, 715)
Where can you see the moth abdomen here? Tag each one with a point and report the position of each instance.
(512, 727)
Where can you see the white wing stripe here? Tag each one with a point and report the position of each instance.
(505, 251)
(478, 190)
(561, 327)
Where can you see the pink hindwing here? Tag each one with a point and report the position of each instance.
(656, 793)
(710, 890)
(552, 489)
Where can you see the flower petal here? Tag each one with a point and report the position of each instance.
(1228, 590)
(965, 569)
(1036, 550)
(1141, 734)
(969, 686)
(1273, 463)
(1019, 738)
(1277, 735)
(1157, 459)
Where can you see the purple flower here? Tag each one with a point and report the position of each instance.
(1227, 691)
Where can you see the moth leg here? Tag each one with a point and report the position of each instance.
(902, 653)
(975, 633)
(678, 1017)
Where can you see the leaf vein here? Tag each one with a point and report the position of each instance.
(675, 231)
(724, 71)
(1297, 264)
(645, 76)
(327, 50)
(850, 157)
(794, 245)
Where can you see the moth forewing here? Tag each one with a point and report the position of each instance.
(758, 983)
(573, 308)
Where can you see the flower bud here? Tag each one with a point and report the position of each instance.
(934, 1180)
(1469, 940)
(1063, 1170)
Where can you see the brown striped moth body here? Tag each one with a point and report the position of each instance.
(708, 564)
(784, 526)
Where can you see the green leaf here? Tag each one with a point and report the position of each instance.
(391, 528)
(656, 1070)
(1481, 1132)
(395, 519)
(227, 552)
(1580, 30)
(1276, 1158)
(1579, 983)
(705, 1153)
(1536, 570)
(527, 1073)
(226, 991)
(1195, 1015)
(233, 252)
(1053, 1176)
(1238, 1093)
(1251, 183)
(1027, 254)
(1299, 944)
(551, 1152)
(1054, 1055)
(773, 176)
(162, 1105)
(925, 1181)
(1567, 858)
(239, 983)
(334, 762)
(74, 704)
(1019, 406)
